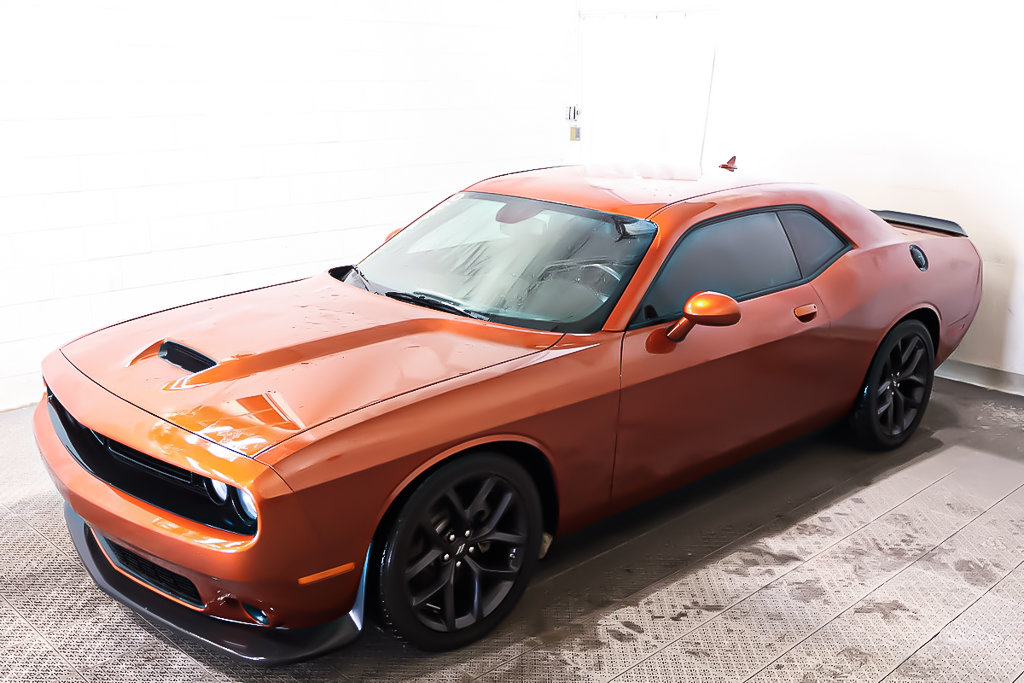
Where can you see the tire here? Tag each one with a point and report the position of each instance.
(896, 390)
(460, 552)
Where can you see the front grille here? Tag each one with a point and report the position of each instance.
(147, 463)
(150, 479)
(152, 574)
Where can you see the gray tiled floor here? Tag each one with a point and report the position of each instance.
(812, 562)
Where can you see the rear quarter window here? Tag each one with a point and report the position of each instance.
(814, 243)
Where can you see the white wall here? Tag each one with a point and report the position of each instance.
(153, 154)
(910, 105)
(903, 105)
(156, 153)
(645, 82)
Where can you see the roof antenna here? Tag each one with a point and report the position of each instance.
(729, 165)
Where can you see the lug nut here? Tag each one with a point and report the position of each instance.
(446, 557)
(471, 548)
(458, 564)
(451, 537)
(466, 534)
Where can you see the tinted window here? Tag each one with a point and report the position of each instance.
(739, 257)
(814, 243)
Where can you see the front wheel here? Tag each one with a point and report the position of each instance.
(460, 552)
(897, 387)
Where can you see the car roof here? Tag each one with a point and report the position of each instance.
(626, 191)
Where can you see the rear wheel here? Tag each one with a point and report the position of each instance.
(461, 552)
(895, 393)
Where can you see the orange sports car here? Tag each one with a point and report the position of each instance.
(535, 353)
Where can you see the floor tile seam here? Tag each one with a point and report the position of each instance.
(898, 573)
(959, 614)
(46, 538)
(43, 638)
(744, 596)
(783, 575)
(7, 508)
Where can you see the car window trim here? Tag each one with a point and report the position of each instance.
(636, 324)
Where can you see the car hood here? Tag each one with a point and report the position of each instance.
(289, 357)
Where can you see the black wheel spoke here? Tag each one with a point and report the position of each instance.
(909, 348)
(449, 602)
(884, 388)
(899, 413)
(433, 536)
(478, 592)
(512, 538)
(417, 567)
(480, 500)
(430, 591)
(885, 407)
(497, 573)
(496, 515)
(916, 379)
(911, 365)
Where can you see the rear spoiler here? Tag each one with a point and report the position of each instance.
(912, 220)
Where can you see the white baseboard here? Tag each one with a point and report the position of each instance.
(990, 378)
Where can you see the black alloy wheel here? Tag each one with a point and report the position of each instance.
(896, 391)
(461, 552)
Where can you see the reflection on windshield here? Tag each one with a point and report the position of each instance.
(513, 260)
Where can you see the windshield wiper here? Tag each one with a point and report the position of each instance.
(435, 301)
(354, 270)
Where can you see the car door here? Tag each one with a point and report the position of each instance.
(686, 407)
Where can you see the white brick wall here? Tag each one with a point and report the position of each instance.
(157, 153)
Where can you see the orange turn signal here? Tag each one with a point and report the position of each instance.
(328, 573)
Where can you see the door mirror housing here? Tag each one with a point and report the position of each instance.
(705, 308)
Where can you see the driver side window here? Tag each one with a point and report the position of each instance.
(742, 257)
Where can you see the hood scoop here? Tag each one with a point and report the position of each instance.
(184, 357)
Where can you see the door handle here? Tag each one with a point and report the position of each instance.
(805, 313)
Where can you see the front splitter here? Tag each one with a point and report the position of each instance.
(251, 643)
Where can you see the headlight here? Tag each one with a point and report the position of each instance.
(247, 503)
(218, 490)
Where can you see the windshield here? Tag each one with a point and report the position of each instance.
(517, 261)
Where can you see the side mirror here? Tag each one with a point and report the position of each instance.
(705, 308)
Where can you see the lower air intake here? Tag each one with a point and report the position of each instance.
(153, 574)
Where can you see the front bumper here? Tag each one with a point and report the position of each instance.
(271, 646)
(226, 574)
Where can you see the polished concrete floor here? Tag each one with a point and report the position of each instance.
(812, 562)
